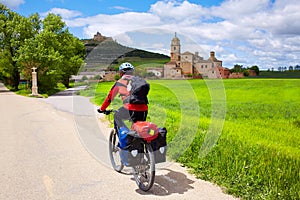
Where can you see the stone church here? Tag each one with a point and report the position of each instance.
(188, 64)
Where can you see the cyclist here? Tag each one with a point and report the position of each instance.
(129, 111)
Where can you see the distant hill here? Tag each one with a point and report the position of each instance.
(145, 54)
(107, 52)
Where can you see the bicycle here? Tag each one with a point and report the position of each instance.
(147, 146)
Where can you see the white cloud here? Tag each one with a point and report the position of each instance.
(229, 58)
(122, 8)
(13, 4)
(236, 10)
(124, 39)
(111, 25)
(64, 13)
(172, 10)
(263, 32)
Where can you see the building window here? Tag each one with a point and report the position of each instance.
(201, 66)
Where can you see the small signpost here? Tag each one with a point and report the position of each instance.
(34, 89)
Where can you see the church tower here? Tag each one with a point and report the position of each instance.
(175, 49)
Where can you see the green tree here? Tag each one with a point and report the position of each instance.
(44, 44)
(70, 49)
(39, 52)
(255, 68)
(55, 53)
(14, 29)
(73, 52)
(237, 68)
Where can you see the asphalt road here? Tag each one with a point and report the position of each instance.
(56, 148)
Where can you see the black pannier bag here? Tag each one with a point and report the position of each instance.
(131, 155)
(159, 146)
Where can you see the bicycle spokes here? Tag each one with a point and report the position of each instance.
(144, 172)
(114, 152)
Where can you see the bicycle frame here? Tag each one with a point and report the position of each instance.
(144, 159)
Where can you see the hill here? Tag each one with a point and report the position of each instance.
(108, 52)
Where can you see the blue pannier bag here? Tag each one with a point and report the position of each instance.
(123, 131)
(131, 148)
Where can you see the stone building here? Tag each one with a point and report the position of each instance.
(224, 72)
(99, 37)
(157, 71)
(188, 64)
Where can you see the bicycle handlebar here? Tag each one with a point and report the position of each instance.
(106, 112)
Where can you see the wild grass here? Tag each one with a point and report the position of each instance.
(257, 153)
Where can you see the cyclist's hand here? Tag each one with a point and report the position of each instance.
(100, 111)
(107, 112)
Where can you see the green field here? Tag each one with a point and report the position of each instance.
(242, 134)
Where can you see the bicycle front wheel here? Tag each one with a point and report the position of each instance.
(114, 151)
(144, 172)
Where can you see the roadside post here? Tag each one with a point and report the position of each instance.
(34, 89)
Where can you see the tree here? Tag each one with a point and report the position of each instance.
(14, 29)
(73, 51)
(45, 44)
(70, 49)
(39, 52)
(237, 68)
(255, 68)
(55, 53)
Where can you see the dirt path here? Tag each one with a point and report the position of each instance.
(52, 150)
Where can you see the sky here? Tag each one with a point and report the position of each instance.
(265, 33)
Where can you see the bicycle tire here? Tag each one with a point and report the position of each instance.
(144, 173)
(114, 155)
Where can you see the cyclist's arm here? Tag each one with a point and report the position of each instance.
(110, 97)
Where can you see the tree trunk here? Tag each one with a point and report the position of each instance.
(66, 82)
(16, 79)
(15, 76)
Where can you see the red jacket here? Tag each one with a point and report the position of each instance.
(120, 87)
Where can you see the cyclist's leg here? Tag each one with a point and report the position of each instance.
(120, 116)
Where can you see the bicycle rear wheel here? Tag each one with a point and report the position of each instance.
(114, 151)
(144, 172)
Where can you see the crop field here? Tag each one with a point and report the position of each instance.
(242, 134)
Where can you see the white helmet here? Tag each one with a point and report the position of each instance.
(125, 67)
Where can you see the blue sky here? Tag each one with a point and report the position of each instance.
(257, 32)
